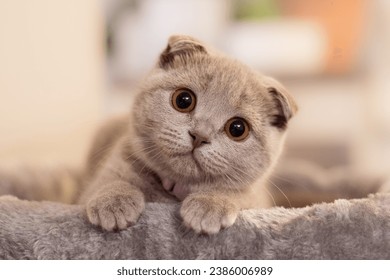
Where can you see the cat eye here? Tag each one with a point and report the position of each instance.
(237, 129)
(183, 100)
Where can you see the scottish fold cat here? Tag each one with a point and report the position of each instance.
(204, 130)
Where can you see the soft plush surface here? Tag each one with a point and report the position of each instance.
(345, 229)
(350, 228)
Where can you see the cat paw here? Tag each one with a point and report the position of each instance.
(205, 213)
(115, 210)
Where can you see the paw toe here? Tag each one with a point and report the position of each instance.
(204, 215)
(228, 219)
(115, 212)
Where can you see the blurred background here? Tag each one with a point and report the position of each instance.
(67, 65)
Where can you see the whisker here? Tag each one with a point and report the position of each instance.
(270, 194)
(156, 156)
(145, 149)
(281, 191)
(103, 149)
(281, 178)
(144, 125)
(241, 171)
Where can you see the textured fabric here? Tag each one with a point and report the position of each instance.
(345, 229)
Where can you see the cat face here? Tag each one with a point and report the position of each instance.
(202, 117)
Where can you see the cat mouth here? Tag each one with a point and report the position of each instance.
(190, 155)
(178, 190)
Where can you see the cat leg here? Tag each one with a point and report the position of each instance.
(114, 199)
(116, 206)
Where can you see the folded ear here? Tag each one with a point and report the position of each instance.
(285, 104)
(181, 47)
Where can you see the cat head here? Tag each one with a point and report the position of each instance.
(203, 117)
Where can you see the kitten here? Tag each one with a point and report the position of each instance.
(204, 129)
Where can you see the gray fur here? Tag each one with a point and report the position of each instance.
(345, 229)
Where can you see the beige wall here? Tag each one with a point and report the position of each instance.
(51, 61)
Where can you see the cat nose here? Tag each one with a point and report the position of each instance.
(198, 139)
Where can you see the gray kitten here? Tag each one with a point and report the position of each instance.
(204, 129)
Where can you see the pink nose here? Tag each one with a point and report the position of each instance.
(198, 139)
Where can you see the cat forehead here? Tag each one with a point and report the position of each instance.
(219, 75)
(225, 81)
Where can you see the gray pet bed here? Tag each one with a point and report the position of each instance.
(345, 229)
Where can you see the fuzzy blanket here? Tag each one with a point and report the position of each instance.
(345, 229)
(349, 228)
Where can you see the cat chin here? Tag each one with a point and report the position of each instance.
(180, 166)
(187, 174)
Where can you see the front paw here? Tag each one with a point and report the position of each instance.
(208, 213)
(115, 210)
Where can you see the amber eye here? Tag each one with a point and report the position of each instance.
(237, 129)
(183, 100)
